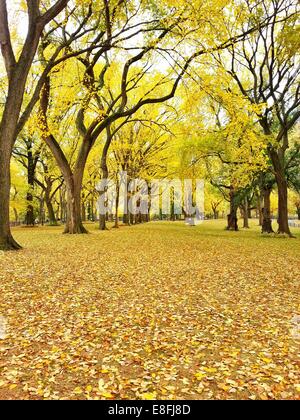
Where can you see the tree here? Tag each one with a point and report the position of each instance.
(227, 140)
(97, 34)
(17, 70)
(106, 103)
(266, 69)
(18, 203)
(50, 182)
(28, 155)
(139, 149)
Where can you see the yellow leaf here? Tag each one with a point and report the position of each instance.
(149, 396)
(200, 376)
(210, 370)
(266, 360)
(107, 395)
(223, 387)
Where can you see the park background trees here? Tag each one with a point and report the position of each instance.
(162, 90)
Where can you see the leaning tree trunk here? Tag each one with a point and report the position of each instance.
(267, 220)
(232, 219)
(74, 222)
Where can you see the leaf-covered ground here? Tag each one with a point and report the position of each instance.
(159, 311)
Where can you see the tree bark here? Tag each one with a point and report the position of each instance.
(215, 212)
(51, 213)
(267, 220)
(74, 222)
(17, 73)
(63, 207)
(41, 211)
(232, 219)
(283, 212)
(105, 173)
(245, 209)
(83, 211)
(6, 240)
(117, 206)
(298, 212)
(31, 169)
(16, 215)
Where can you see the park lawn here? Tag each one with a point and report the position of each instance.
(156, 311)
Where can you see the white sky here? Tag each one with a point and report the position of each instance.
(17, 20)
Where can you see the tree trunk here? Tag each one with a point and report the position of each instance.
(51, 213)
(41, 211)
(74, 223)
(246, 214)
(83, 212)
(102, 222)
(148, 216)
(57, 212)
(6, 240)
(283, 212)
(92, 210)
(298, 212)
(126, 220)
(215, 212)
(126, 214)
(63, 210)
(105, 173)
(131, 218)
(103, 217)
(260, 207)
(232, 220)
(16, 215)
(31, 167)
(117, 206)
(267, 220)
